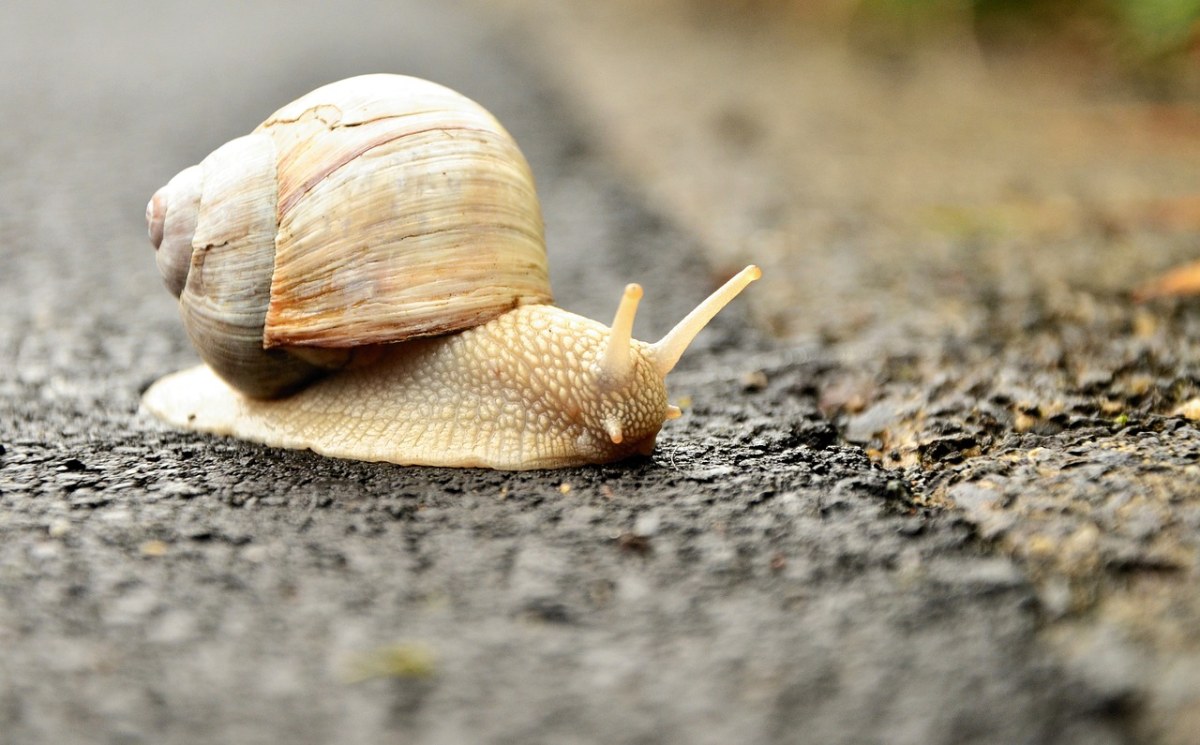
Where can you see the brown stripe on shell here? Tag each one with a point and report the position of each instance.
(398, 222)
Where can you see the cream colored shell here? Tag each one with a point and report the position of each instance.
(404, 209)
(370, 211)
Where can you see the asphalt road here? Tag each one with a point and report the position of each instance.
(758, 580)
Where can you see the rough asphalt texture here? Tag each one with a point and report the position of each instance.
(758, 580)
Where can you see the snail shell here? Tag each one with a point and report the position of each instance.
(370, 211)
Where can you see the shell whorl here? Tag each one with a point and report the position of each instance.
(171, 215)
(370, 211)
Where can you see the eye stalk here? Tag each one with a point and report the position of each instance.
(666, 351)
(617, 363)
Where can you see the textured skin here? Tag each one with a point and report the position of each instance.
(518, 392)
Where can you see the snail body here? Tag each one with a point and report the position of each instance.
(365, 276)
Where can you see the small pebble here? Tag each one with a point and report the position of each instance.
(755, 380)
(153, 549)
(255, 554)
(402, 660)
(646, 524)
(44, 550)
(1188, 409)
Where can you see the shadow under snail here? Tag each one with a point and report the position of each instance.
(384, 209)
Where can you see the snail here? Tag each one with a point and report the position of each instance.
(365, 276)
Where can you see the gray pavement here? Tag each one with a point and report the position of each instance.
(758, 580)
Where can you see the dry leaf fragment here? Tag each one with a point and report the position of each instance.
(1184, 280)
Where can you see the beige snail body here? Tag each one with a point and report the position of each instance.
(384, 296)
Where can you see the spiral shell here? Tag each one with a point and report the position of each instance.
(367, 212)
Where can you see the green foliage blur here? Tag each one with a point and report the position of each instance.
(1145, 29)
(1159, 26)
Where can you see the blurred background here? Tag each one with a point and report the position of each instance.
(934, 150)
